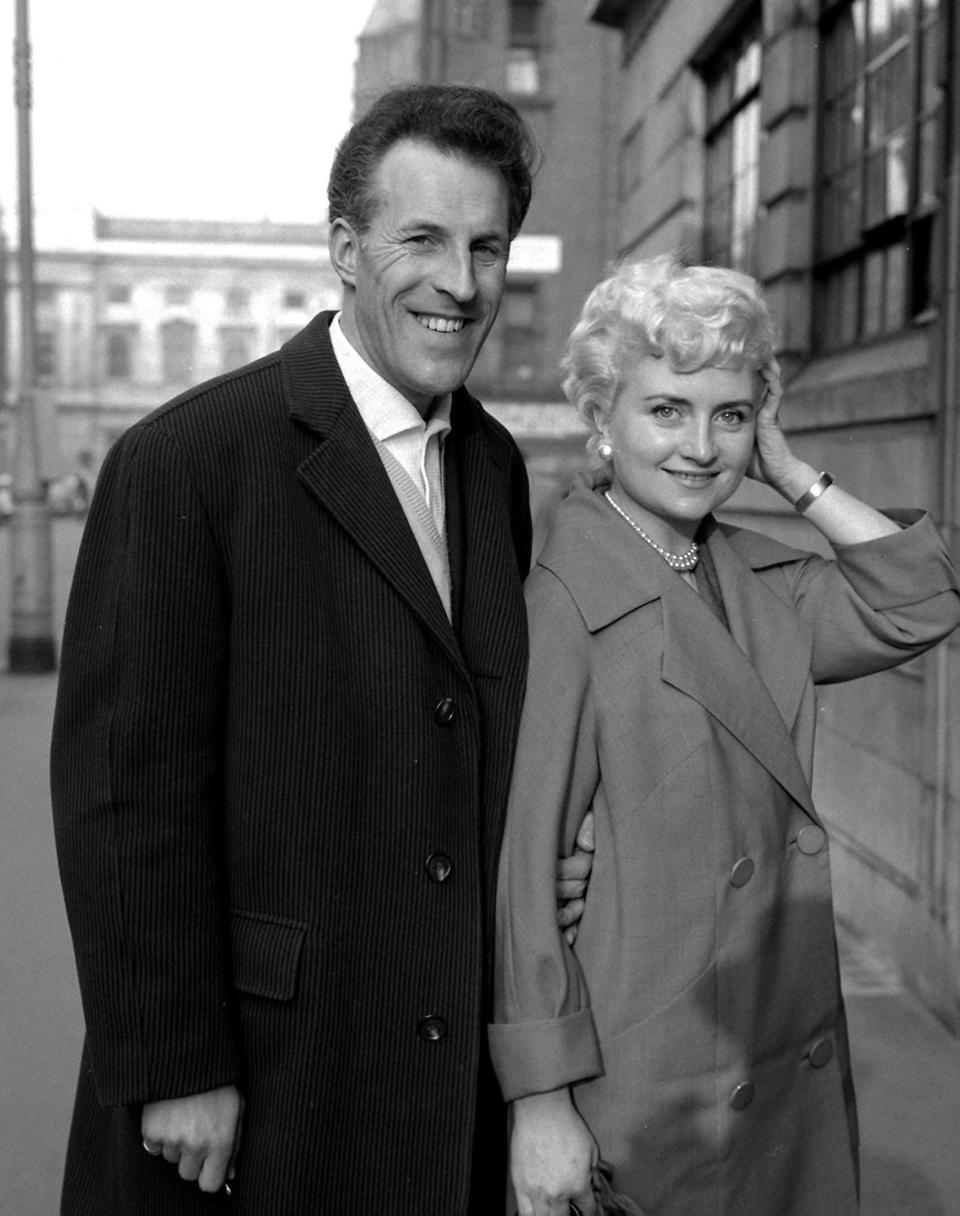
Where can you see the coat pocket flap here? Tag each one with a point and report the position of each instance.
(266, 954)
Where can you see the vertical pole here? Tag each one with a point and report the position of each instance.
(31, 648)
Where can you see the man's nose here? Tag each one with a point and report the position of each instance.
(455, 275)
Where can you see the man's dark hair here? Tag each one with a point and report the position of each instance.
(460, 119)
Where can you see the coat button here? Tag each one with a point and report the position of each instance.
(811, 839)
(742, 1095)
(445, 712)
(439, 866)
(742, 872)
(821, 1053)
(431, 1029)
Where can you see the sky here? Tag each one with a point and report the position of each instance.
(197, 109)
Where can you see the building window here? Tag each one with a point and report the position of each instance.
(176, 295)
(237, 300)
(294, 299)
(236, 346)
(118, 352)
(118, 293)
(879, 169)
(520, 346)
(46, 293)
(45, 355)
(524, 48)
(178, 341)
(732, 81)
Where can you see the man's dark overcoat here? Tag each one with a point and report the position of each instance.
(279, 776)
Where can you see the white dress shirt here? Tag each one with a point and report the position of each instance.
(411, 449)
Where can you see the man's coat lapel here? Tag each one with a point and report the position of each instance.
(344, 472)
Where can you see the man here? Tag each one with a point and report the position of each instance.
(292, 671)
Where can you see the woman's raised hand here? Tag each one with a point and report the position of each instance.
(771, 454)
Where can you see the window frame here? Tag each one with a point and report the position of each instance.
(722, 65)
(873, 276)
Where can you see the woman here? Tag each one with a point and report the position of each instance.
(694, 1036)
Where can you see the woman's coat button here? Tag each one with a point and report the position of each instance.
(742, 872)
(821, 1053)
(811, 839)
(742, 1095)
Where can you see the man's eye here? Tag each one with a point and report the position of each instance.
(665, 411)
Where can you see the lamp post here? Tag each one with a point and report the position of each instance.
(31, 647)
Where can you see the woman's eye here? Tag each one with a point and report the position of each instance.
(665, 411)
(732, 417)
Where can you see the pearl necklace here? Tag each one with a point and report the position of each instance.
(676, 561)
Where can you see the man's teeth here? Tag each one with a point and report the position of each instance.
(443, 325)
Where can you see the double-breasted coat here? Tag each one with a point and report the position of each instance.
(279, 778)
(699, 1015)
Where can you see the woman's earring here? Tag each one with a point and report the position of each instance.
(604, 450)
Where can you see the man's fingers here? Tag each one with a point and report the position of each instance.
(214, 1172)
(171, 1152)
(585, 837)
(569, 913)
(190, 1166)
(575, 868)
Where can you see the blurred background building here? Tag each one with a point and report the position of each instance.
(148, 307)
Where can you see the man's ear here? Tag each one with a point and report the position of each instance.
(344, 245)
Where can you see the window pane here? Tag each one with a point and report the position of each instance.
(732, 149)
(177, 340)
(522, 71)
(524, 20)
(889, 20)
(928, 164)
(118, 354)
(873, 308)
(746, 73)
(895, 299)
(843, 51)
(929, 68)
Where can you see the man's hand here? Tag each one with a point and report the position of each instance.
(573, 876)
(200, 1132)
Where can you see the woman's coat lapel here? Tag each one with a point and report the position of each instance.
(751, 679)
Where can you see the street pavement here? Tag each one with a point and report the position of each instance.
(906, 1066)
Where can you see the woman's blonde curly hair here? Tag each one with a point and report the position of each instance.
(693, 316)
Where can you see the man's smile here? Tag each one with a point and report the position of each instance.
(443, 325)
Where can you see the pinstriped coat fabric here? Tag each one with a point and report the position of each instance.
(255, 796)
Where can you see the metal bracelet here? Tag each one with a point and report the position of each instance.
(823, 482)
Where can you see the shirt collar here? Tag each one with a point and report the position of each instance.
(384, 410)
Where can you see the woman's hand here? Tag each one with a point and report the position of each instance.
(552, 1155)
(772, 458)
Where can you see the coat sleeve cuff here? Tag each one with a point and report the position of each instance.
(906, 567)
(537, 1057)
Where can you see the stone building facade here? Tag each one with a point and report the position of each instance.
(816, 144)
(147, 309)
